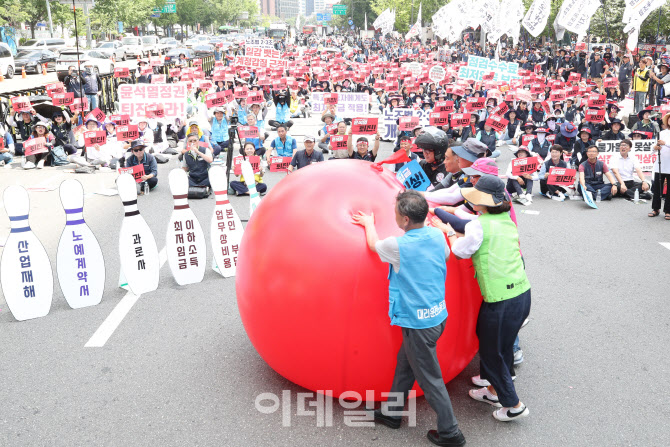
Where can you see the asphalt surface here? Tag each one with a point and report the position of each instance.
(180, 370)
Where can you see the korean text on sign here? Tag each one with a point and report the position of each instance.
(135, 98)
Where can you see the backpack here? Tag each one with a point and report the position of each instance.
(58, 156)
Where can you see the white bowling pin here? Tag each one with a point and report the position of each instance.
(185, 241)
(250, 180)
(79, 262)
(137, 247)
(25, 270)
(225, 228)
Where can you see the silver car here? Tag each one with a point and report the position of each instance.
(114, 48)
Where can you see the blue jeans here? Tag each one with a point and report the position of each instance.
(639, 100)
(92, 101)
(513, 186)
(605, 190)
(6, 157)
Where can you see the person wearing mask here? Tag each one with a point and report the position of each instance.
(24, 122)
(40, 130)
(492, 241)
(417, 273)
(540, 145)
(306, 156)
(580, 147)
(195, 160)
(73, 83)
(640, 86)
(62, 130)
(591, 173)
(92, 85)
(555, 161)
(517, 184)
(140, 157)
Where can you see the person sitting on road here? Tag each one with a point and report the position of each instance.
(62, 130)
(340, 153)
(41, 129)
(282, 112)
(362, 144)
(148, 161)
(517, 184)
(581, 145)
(615, 131)
(555, 160)
(7, 150)
(24, 122)
(218, 122)
(240, 186)
(259, 140)
(284, 145)
(624, 166)
(195, 160)
(591, 173)
(306, 156)
(540, 145)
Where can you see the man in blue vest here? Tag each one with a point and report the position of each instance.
(284, 145)
(591, 176)
(417, 273)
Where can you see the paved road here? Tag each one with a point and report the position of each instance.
(180, 370)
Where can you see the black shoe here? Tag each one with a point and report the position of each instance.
(456, 440)
(389, 421)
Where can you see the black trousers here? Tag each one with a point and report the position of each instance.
(631, 186)
(553, 190)
(624, 88)
(275, 123)
(657, 190)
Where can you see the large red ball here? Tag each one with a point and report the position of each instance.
(314, 299)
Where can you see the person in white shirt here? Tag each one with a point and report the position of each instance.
(517, 183)
(662, 172)
(624, 166)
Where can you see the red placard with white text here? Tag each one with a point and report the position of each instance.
(408, 123)
(95, 137)
(35, 146)
(526, 165)
(474, 104)
(595, 115)
(438, 119)
(120, 120)
(136, 171)
(21, 104)
(62, 99)
(79, 104)
(460, 119)
(255, 161)
(95, 114)
(339, 142)
(248, 131)
(561, 176)
(155, 111)
(497, 123)
(127, 133)
(444, 106)
(121, 72)
(255, 97)
(55, 88)
(280, 164)
(330, 99)
(364, 126)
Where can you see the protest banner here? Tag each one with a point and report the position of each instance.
(267, 44)
(390, 119)
(438, 119)
(364, 126)
(561, 176)
(412, 176)
(95, 137)
(642, 150)
(526, 165)
(247, 131)
(136, 171)
(460, 119)
(444, 106)
(121, 72)
(218, 99)
(255, 161)
(280, 164)
(595, 115)
(256, 58)
(497, 123)
(477, 67)
(349, 105)
(557, 95)
(523, 95)
(339, 142)
(408, 123)
(62, 99)
(536, 18)
(174, 72)
(35, 146)
(21, 104)
(134, 99)
(127, 132)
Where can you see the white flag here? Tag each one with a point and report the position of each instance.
(536, 18)
(415, 30)
(635, 13)
(575, 16)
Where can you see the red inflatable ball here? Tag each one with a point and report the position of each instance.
(314, 299)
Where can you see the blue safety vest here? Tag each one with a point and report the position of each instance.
(284, 149)
(219, 130)
(416, 292)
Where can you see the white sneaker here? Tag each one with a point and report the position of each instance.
(562, 197)
(525, 322)
(29, 165)
(40, 164)
(510, 414)
(518, 357)
(484, 395)
(478, 381)
(8, 166)
(529, 197)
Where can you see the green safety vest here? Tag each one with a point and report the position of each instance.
(498, 265)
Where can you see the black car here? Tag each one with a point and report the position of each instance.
(203, 50)
(33, 60)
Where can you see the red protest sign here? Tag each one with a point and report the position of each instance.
(174, 72)
(595, 115)
(475, 103)
(458, 90)
(330, 99)
(241, 92)
(255, 161)
(280, 164)
(255, 97)
(339, 142)
(216, 99)
(444, 106)
(55, 88)
(596, 100)
(438, 119)
(21, 104)
(248, 131)
(497, 123)
(610, 82)
(460, 119)
(121, 72)
(526, 139)
(136, 171)
(120, 120)
(95, 137)
(126, 133)
(35, 146)
(205, 85)
(279, 84)
(574, 77)
(551, 138)
(79, 104)
(331, 129)
(145, 71)
(155, 111)
(561, 176)
(408, 123)
(557, 95)
(572, 91)
(488, 77)
(364, 126)
(501, 109)
(545, 106)
(581, 46)
(526, 165)
(96, 114)
(158, 79)
(523, 95)
(537, 88)
(197, 63)
(62, 99)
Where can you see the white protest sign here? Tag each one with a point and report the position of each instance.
(134, 99)
(389, 120)
(642, 150)
(349, 105)
(415, 68)
(437, 74)
(536, 17)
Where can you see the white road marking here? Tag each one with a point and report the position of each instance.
(117, 315)
(665, 244)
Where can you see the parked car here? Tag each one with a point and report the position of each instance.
(150, 44)
(6, 61)
(33, 60)
(114, 48)
(191, 43)
(133, 46)
(54, 45)
(168, 43)
(203, 50)
(173, 55)
(101, 64)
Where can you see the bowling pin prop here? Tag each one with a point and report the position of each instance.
(25, 270)
(140, 266)
(185, 241)
(250, 180)
(79, 262)
(225, 228)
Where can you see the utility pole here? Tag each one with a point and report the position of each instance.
(51, 25)
(411, 17)
(88, 25)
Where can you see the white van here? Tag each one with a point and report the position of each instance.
(6, 61)
(133, 46)
(151, 45)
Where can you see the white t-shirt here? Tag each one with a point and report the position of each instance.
(665, 153)
(625, 166)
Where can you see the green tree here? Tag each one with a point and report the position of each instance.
(13, 12)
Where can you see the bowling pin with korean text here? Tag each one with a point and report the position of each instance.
(225, 228)
(250, 180)
(25, 270)
(79, 262)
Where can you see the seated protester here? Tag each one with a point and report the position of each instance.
(362, 144)
(570, 111)
(567, 136)
(218, 122)
(516, 184)
(282, 112)
(556, 160)
(591, 176)
(284, 145)
(551, 124)
(258, 141)
(117, 149)
(582, 143)
(406, 146)
(451, 133)
(259, 113)
(7, 150)
(645, 124)
(527, 130)
(62, 131)
(623, 166)
(537, 113)
(195, 160)
(175, 132)
(522, 111)
(327, 118)
(639, 135)
(98, 154)
(24, 123)
(340, 153)
(470, 131)
(306, 156)
(540, 145)
(141, 156)
(615, 132)
(296, 108)
(146, 134)
(513, 129)
(158, 127)
(596, 129)
(240, 187)
(239, 109)
(40, 129)
(489, 137)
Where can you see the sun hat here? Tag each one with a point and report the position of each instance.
(471, 150)
(482, 166)
(489, 191)
(568, 130)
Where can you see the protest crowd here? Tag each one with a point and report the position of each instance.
(451, 109)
